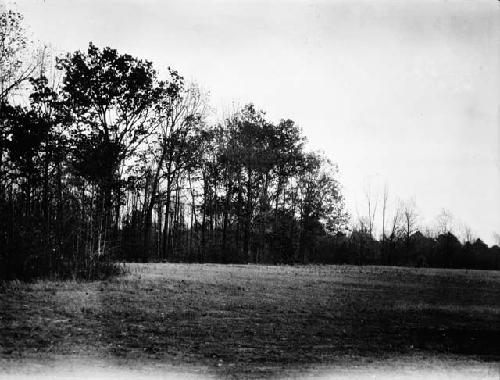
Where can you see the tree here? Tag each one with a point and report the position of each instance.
(14, 67)
(448, 247)
(371, 202)
(27, 135)
(444, 222)
(180, 113)
(385, 198)
(466, 233)
(320, 200)
(13, 72)
(289, 153)
(409, 214)
(111, 98)
(251, 148)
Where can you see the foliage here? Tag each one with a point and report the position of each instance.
(13, 44)
(115, 164)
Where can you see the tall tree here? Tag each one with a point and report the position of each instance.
(111, 98)
(321, 203)
(14, 70)
(180, 114)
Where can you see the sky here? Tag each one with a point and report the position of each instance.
(398, 93)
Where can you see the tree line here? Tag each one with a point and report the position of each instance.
(113, 163)
(102, 160)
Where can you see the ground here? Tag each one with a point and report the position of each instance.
(250, 321)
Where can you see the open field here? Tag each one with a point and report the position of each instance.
(251, 321)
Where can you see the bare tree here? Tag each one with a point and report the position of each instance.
(409, 218)
(444, 222)
(396, 220)
(385, 197)
(371, 201)
(467, 234)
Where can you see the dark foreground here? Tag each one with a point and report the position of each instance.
(194, 321)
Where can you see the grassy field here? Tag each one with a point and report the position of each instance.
(246, 321)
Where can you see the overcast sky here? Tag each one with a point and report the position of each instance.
(398, 92)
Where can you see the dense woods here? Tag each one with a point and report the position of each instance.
(102, 161)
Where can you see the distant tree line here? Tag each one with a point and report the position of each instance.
(403, 242)
(419, 250)
(102, 161)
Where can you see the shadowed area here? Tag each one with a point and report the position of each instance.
(257, 321)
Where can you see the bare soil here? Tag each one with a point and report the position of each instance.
(249, 321)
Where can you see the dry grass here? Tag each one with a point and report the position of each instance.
(255, 321)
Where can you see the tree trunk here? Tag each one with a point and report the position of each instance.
(225, 221)
(248, 221)
(204, 217)
(166, 226)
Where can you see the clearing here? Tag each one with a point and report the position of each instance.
(251, 321)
